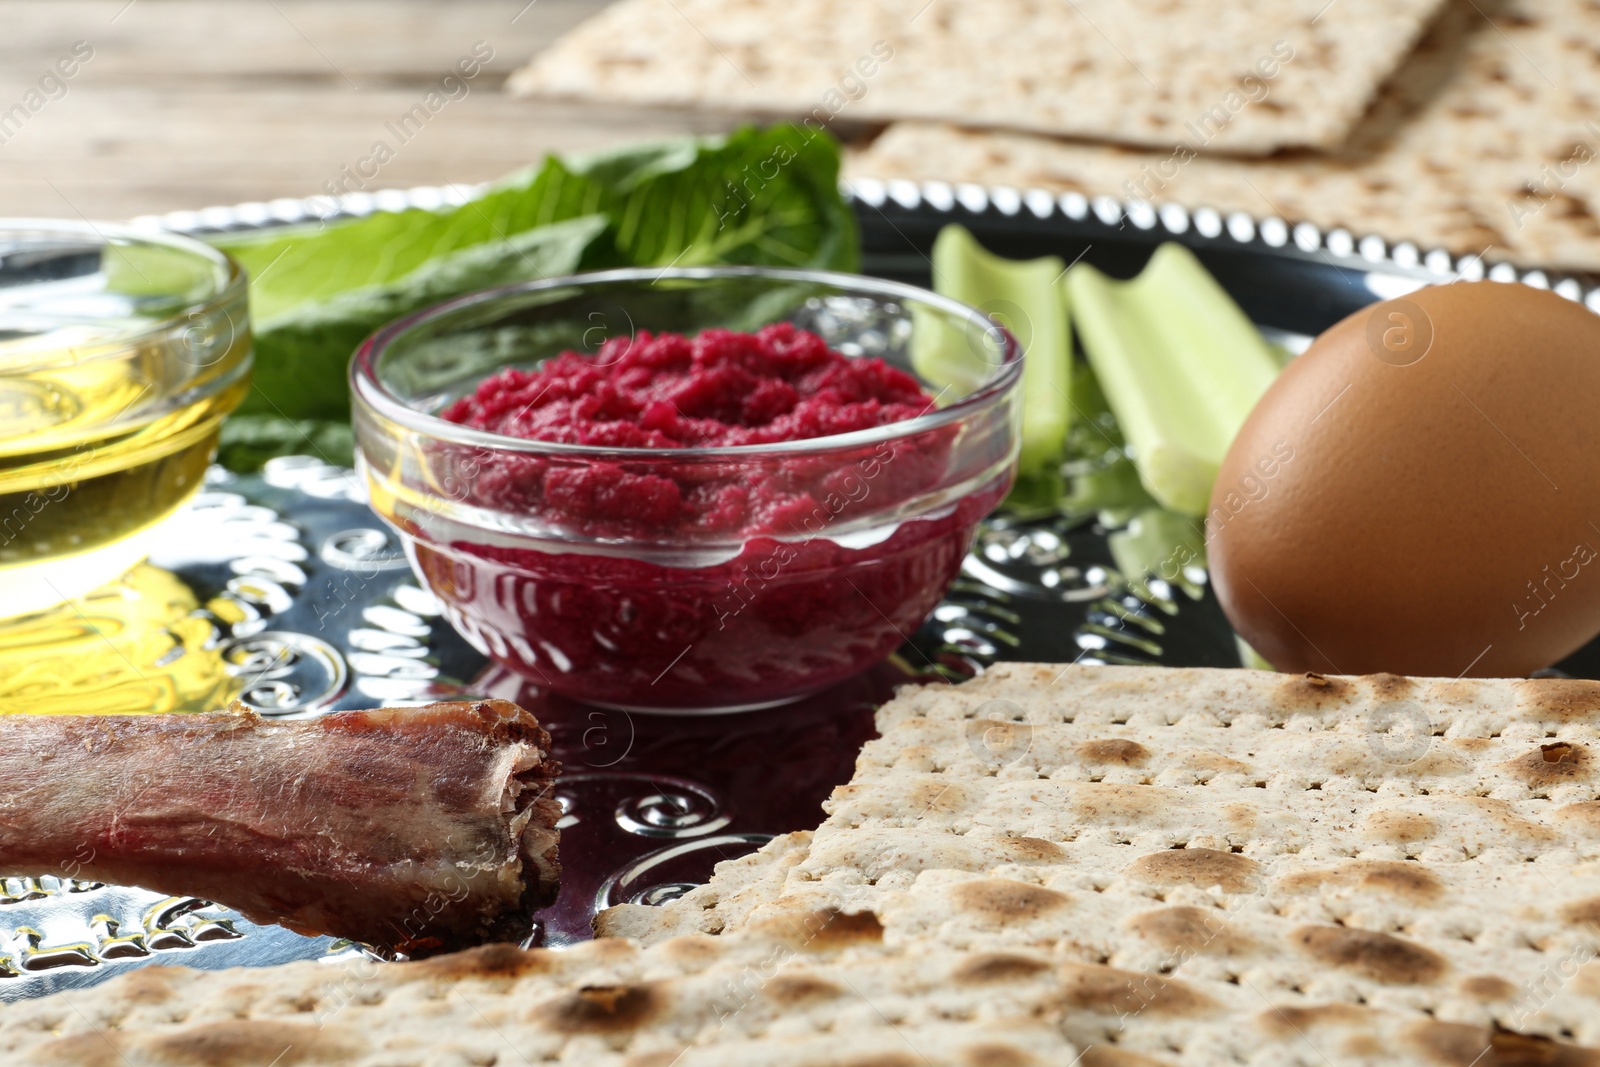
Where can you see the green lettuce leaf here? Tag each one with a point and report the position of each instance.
(756, 196)
(248, 441)
(302, 354)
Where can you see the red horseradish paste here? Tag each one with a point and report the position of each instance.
(784, 583)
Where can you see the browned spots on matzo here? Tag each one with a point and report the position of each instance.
(1289, 1020)
(1188, 929)
(1488, 987)
(148, 985)
(838, 928)
(884, 1059)
(1455, 694)
(1587, 980)
(1030, 850)
(81, 1050)
(1390, 685)
(1370, 953)
(1003, 901)
(1311, 690)
(692, 949)
(1241, 817)
(246, 1043)
(1202, 867)
(994, 1054)
(1410, 880)
(1112, 1056)
(1213, 763)
(936, 795)
(1561, 699)
(822, 930)
(1401, 879)
(1582, 817)
(1504, 818)
(1113, 750)
(794, 989)
(1461, 1045)
(1109, 802)
(1111, 991)
(1400, 827)
(664, 1058)
(1583, 911)
(601, 1009)
(1552, 764)
(1362, 1046)
(998, 967)
(486, 961)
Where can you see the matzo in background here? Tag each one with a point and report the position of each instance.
(1486, 142)
(1248, 77)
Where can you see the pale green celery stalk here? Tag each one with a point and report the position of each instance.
(1249, 658)
(1160, 544)
(1022, 295)
(1180, 364)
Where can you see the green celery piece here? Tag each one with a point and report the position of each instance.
(1159, 544)
(1036, 495)
(1180, 364)
(301, 355)
(1021, 295)
(1249, 658)
(1101, 476)
(1114, 490)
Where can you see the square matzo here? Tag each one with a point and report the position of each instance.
(1248, 77)
(1428, 846)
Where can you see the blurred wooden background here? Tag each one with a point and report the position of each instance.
(190, 103)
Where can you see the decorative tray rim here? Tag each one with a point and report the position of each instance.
(1338, 246)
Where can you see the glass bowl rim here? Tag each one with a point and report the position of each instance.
(231, 287)
(367, 389)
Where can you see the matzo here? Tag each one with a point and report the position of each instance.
(796, 994)
(1485, 142)
(1427, 845)
(1132, 71)
(805, 991)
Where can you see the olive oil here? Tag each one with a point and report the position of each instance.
(119, 358)
(138, 644)
(77, 484)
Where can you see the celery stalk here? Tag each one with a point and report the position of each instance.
(1021, 295)
(1160, 544)
(1180, 364)
(1249, 658)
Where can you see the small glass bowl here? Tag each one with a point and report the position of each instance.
(120, 354)
(547, 559)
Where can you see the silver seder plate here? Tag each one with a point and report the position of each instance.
(322, 613)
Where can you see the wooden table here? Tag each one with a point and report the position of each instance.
(189, 103)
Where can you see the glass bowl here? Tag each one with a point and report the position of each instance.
(120, 353)
(557, 561)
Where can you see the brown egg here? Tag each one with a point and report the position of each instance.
(1420, 491)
